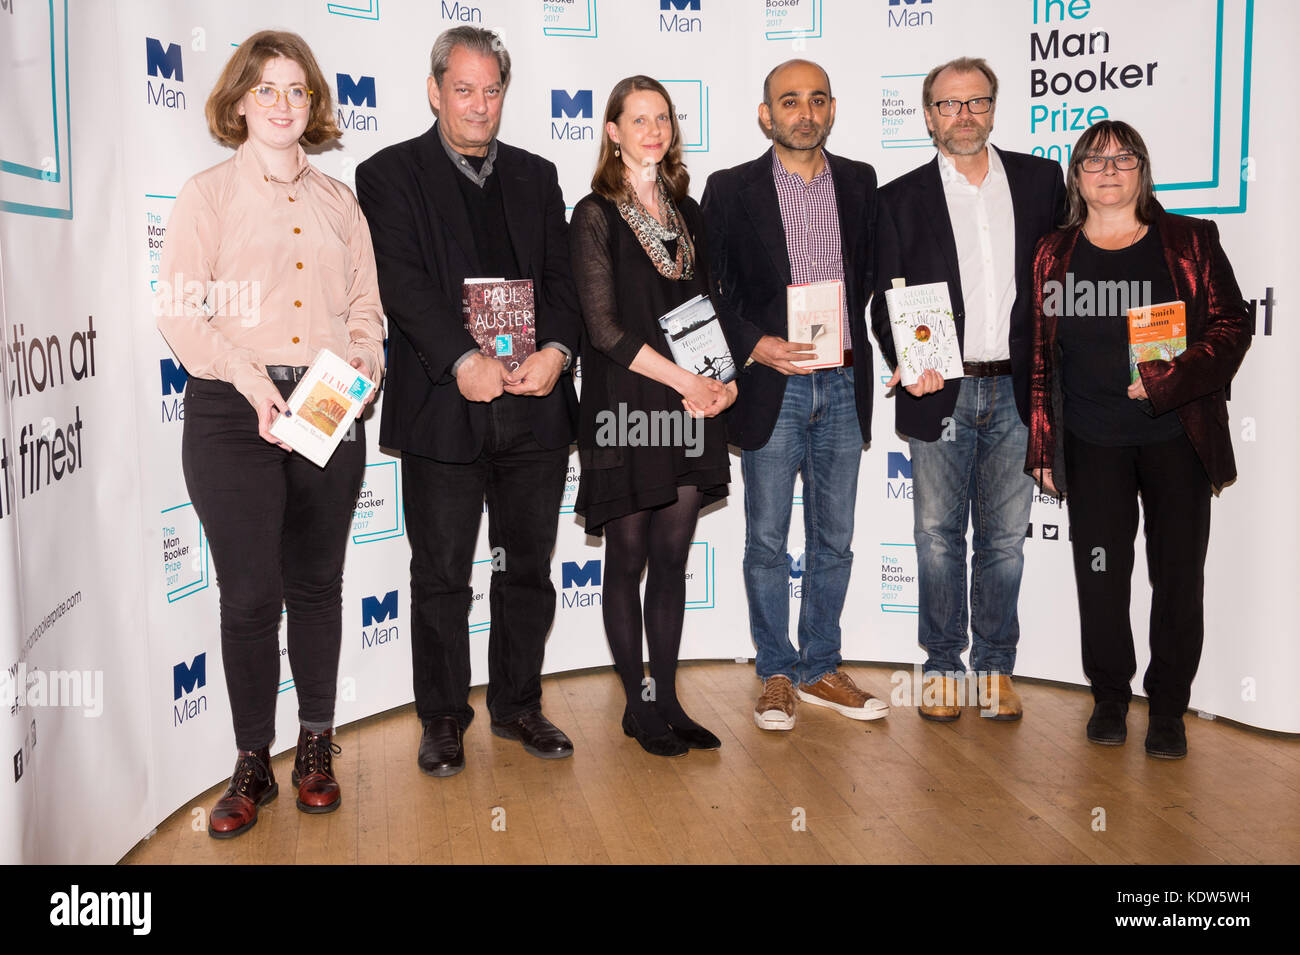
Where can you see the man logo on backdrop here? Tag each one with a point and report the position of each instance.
(569, 107)
(674, 16)
(356, 94)
(460, 12)
(578, 577)
(163, 63)
(173, 384)
(910, 13)
(898, 476)
(187, 678)
(375, 611)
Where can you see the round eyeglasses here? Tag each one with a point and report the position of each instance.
(298, 97)
(1125, 162)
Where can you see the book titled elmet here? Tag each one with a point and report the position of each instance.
(323, 404)
(500, 316)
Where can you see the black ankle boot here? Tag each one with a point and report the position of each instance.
(1107, 725)
(1166, 737)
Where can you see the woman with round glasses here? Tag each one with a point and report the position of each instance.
(1102, 436)
(636, 255)
(266, 262)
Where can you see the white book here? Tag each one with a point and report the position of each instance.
(323, 403)
(925, 334)
(815, 313)
(696, 340)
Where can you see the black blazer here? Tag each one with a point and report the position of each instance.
(424, 250)
(750, 269)
(915, 242)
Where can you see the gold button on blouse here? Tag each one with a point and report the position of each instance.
(297, 303)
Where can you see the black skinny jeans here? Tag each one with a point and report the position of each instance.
(277, 526)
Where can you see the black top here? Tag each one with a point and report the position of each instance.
(487, 219)
(1094, 341)
(622, 296)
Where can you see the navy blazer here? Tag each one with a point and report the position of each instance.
(751, 269)
(424, 251)
(915, 242)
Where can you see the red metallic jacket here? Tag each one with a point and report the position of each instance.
(1218, 334)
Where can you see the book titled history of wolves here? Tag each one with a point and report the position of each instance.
(500, 316)
(1155, 333)
(696, 340)
(323, 403)
(925, 335)
(815, 313)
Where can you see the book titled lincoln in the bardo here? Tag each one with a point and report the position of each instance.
(925, 335)
(499, 314)
(323, 404)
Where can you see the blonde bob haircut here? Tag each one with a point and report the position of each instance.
(243, 71)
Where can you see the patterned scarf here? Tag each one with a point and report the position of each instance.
(652, 234)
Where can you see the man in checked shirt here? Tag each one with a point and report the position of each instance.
(794, 216)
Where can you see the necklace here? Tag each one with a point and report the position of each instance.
(1136, 232)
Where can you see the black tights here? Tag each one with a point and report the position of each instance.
(663, 537)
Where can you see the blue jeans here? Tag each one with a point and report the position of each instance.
(817, 433)
(982, 465)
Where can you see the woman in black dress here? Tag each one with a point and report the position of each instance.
(652, 448)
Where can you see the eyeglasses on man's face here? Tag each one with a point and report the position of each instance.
(951, 107)
(298, 97)
(1125, 162)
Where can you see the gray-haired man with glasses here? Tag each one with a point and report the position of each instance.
(971, 218)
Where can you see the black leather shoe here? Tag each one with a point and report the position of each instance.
(1107, 725)
(539, 735)
(667, 744)
(442, 747)
(1166, 737)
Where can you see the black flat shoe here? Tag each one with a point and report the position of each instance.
(1166, 737)
(1107, 725)
(696, 736)
(668, 744)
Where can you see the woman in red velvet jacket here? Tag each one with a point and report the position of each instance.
(1111, 436)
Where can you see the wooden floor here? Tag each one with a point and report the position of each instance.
(899, 790)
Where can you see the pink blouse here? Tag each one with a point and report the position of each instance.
(259, 272)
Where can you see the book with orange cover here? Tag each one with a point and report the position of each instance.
(1155, 333)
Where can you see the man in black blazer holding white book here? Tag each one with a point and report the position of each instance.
(971, 217)
(452, 204)
(794, 216)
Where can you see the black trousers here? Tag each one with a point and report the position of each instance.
(1104, 485)
(277, 526)
(523, 484)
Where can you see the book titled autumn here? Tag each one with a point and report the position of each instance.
(925, 335)
(815, 313)
(323, 404)
(500, 316)
(696, 340)
(1155, 333)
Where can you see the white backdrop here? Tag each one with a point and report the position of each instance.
(104, 573)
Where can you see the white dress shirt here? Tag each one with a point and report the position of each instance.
(984, 229)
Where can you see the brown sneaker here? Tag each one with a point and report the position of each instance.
(939, 699)
(837, 691)
(775, 708)
(998, 698)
